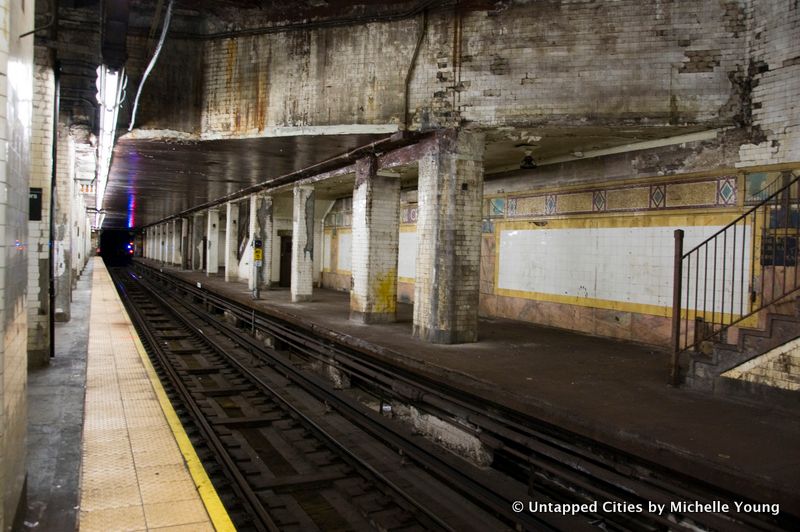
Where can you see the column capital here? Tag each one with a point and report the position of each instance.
(468, 143)
(302, 188)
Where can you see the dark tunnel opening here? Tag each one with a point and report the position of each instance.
(117, 247)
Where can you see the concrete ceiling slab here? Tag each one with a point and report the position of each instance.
(505, 147)
(153, 179)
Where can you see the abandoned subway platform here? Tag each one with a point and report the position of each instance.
(411, 265)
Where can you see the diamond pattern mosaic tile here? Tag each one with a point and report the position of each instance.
(658, 196)
(726, 191)
(599, 200)
(512, 206)
(550, 204)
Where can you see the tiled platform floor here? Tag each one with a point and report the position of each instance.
(134, 475)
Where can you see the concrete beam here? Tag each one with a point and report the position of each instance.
(407, 154)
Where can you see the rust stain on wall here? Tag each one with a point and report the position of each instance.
(232, 50)
(385, 290)
(262, 94)
(232, 80)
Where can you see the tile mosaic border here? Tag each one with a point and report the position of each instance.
(718, 191)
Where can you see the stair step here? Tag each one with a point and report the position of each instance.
(726, 346)
(783, 317)
(759, 333)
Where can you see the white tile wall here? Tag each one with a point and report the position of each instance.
(629, 264)
(327, 250)
(345, 256)
(212, 235)
(16, 111)
(407, 255)
(302, 239)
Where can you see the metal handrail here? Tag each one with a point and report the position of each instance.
(738, 271)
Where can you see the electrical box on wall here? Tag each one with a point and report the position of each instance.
(35, 206)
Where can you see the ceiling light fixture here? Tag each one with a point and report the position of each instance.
(527, 162)
(110, 89)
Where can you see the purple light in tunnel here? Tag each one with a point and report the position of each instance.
(131, 210)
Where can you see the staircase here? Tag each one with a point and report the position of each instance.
(737, 298)
(709, 368)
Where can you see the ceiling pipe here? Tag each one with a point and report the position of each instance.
(412, 66)
(152, 63)
(50, 24)
(40, 28)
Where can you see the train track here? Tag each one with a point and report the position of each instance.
(538, 461)
(285, 456)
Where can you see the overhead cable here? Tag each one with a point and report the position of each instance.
(152, 62)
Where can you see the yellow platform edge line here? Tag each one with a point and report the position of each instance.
(214, 508)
